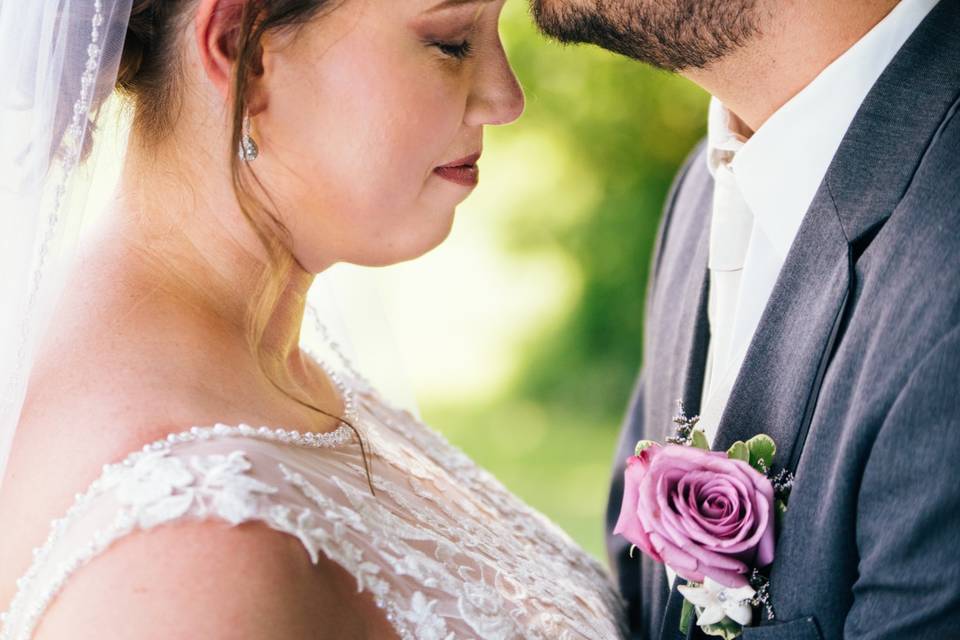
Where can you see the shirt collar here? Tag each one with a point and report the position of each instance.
(780, 168)
(722, 141)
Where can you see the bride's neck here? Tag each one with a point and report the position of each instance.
(178, 228)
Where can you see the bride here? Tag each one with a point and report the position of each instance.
(271, 139)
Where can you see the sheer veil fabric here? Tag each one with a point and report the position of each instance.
(61, 59)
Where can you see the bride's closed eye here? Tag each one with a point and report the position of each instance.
(458, 50)
(453, 34)
(454, 41)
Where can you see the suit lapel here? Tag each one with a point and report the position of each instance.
(680, 338)
(783, 367)
(696, 336)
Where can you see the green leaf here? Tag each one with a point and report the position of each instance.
(739, 451)
(642, 446)
(699, 440)
(727, 629)
(686, 617)
(762, 447)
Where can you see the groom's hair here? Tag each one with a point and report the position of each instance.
(669, 34)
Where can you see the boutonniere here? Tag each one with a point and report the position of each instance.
(711, 517)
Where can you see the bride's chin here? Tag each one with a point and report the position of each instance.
(430, 239)
(431, 230)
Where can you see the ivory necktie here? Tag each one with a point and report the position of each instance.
(730, 229)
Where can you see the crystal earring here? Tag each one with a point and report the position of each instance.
(248, 148)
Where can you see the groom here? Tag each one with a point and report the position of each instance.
(806, 284)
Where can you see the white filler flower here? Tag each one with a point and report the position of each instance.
(715, 601)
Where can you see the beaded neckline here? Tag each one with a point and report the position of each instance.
(339, 436)
(328, 440)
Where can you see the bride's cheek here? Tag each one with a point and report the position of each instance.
(362, 139)
(372, 198)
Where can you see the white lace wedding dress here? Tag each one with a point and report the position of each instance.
(446, 551)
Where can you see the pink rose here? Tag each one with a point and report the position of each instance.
(700, 512)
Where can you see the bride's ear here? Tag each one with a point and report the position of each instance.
(217, 29)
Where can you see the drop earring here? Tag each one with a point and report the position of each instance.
(248, 148)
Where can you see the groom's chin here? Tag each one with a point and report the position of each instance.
(589, 22)
(564, 19)
(674, 35)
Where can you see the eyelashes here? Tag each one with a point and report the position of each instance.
(456, 50)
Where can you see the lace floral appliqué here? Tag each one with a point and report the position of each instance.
(159, 488)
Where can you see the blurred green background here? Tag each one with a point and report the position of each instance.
(522, 333)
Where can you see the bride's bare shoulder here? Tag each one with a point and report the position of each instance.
(91, 405)
(88, 410)
(209, 580)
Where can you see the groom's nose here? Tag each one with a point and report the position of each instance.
(497, 97)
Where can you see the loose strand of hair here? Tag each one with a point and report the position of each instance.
(275, 274)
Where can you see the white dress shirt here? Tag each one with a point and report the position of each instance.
(778, 171)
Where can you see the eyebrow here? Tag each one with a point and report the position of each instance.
(450, 4)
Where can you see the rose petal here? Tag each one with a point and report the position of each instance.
(671, 522)
(765, 548)
(757, 529)
(708, 532)
(702, 530)
(690, 519)
(745, 523)
(714, 559)
(676, 558)
(628, 524)
(730, 579)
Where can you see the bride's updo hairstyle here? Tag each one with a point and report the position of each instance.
(149, 75)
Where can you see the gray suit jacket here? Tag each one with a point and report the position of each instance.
(854, 370)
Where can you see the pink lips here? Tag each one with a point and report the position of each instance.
(463, 172)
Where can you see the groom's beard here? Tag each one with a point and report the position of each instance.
(670, 34)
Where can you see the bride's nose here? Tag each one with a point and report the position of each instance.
(497, 97)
